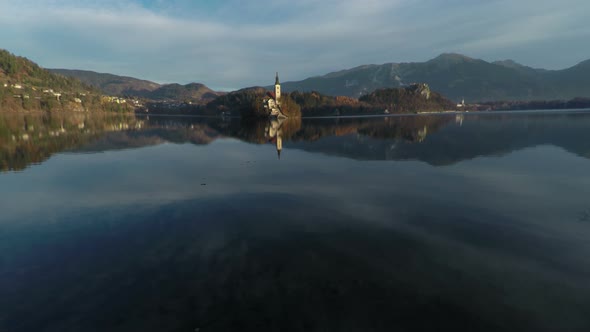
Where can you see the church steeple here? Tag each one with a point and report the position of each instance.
(277, 88)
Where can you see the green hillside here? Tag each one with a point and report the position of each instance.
(22, 71)
(25, 86)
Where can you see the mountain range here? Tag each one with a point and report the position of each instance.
(115, 85)
(457, 76)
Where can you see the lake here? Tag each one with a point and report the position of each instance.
(476, 222)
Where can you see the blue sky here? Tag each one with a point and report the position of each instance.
(230, 44)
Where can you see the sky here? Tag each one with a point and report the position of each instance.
(230, 44)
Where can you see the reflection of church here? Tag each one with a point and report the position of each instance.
(422, 133)
(272, 102)
(274, 134)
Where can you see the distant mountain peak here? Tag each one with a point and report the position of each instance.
(196, 85)
(584, 64)
(452, 57)
(509, 63)
(457, 76)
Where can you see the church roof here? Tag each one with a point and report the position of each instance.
(277, 79)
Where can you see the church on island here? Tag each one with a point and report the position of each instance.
(272, 101)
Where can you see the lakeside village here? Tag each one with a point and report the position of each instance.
(46, 99)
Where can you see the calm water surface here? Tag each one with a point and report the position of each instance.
(474, 222)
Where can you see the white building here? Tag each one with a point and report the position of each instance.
(272, 103)
(277, 88)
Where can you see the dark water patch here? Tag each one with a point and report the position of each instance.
(187, 265)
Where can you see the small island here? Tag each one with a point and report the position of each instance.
(257, 102)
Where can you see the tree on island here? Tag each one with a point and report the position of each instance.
(249, 103)
(414, 98)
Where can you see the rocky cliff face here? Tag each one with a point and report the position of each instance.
(421, 89)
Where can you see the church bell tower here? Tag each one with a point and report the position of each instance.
(277, 88)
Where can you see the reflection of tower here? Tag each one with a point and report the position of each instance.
(422, 133)
(279, 145)
(277, 88)
(275, 134)
(459, 119)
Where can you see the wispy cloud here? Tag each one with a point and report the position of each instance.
(236, 43)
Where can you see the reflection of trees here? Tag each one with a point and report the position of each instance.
(32, 138)
(27, 139)
(256, 130)
(412, 129)
(450, 141)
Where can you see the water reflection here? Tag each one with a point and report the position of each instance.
(274, 133)
(358, 227)
(27, 139)
(437, 140)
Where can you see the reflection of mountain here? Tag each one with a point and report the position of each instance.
(453, 141)
(437, 140)
(153, 134)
